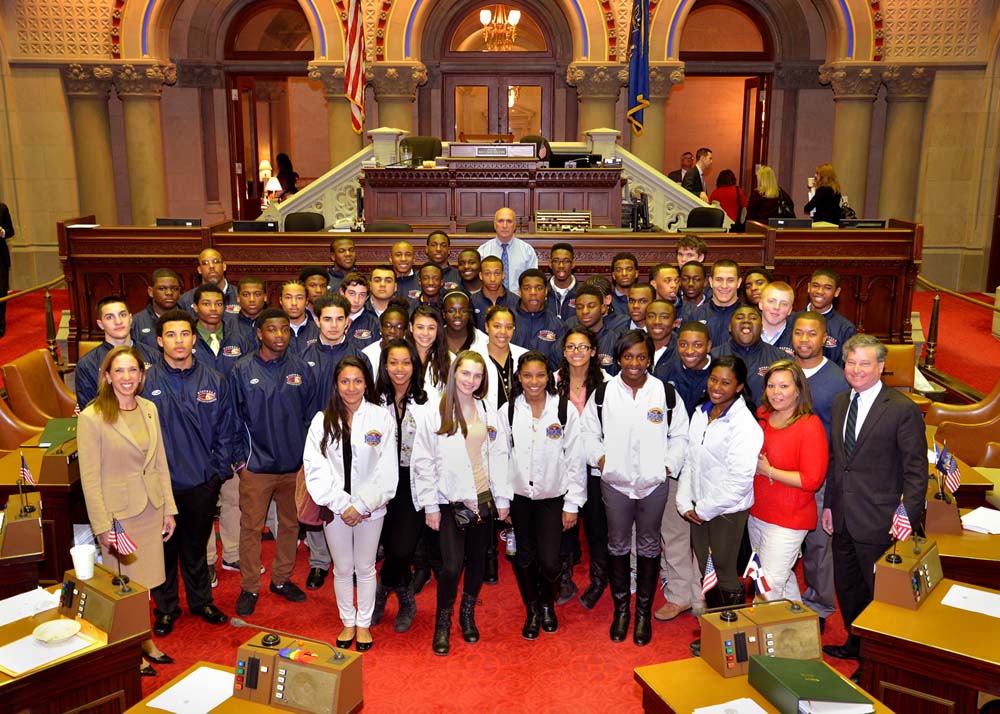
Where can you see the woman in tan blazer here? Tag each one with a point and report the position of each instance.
(124, 474)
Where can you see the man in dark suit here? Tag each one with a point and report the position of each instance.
(879, 456)
(6, 233)
(694, 180)
(687, 161)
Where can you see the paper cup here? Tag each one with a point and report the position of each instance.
(83, 560)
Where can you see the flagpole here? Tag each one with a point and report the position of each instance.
(121, 580)
(892, 557)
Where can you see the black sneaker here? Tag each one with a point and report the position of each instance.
(246, 603)
(289, 590)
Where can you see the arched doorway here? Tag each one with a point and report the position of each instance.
(273, 108)
(729, 54)
(497, 70)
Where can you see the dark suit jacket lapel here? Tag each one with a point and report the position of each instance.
(874, 414)
(838, 414)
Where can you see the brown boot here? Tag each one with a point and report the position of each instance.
(670, 611)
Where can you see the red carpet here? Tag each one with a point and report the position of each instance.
(26, 323)
(578, 669)
(967, 350)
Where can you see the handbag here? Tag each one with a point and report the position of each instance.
(308, 511)
(465, 516)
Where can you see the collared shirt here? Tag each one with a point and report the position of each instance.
(775, 336)
(206, 334)
(520, 256)
(865, 401)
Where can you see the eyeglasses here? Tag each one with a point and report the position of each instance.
(578, 348)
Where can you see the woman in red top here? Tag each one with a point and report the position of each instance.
(790, 469)
(730, 196)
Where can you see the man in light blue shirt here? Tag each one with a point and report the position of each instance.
(515, 254)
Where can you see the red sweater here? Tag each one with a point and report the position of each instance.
(800, 447)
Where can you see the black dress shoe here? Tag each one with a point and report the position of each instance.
(844, 651)
(146, 670)
(211, 614)
(164, 625)
(162, 659)
(856, 677)
(317, 576)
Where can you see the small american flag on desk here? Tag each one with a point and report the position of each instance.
(26, 472)
(711, 578)
(119, 539)
(947, 466)
(901, 528)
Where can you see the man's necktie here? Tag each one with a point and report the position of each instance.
(852, 424)
(505, 259)
(213, 343)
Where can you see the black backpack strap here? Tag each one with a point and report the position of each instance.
(510, 419)
(671, 394)
(599, 403)
(563, 412)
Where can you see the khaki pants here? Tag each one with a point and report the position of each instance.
(229, 524)
(256, 491)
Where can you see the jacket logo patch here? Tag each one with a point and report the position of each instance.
(761, 371)
(146, 330)
(413, 294)
(830, 341)
(232, 351)
(572, 303)
(491, 431)
(547, 335)
(553, 431)
(294, 379)
(207, 396)
(606, 360)
(311, 364)
(362, 334)
(155, 393)
(450, 285)
(233, 309)
(254, 381)
(655, 416)
(373, 438)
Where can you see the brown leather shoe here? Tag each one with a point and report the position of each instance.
(669, 611)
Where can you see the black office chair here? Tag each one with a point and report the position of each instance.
(706, 217)
(480, 227)
(542, 148)
(304, 222)
(386, 227)
(422, 148)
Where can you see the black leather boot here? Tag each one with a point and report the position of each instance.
(598, 582)
(407, 609)
(492, 574)
(733, 598)
(567, 588)
(621, 596)
(420, 577)
(529, 596)
(442, 631)
(647, 570)
(467, 619)
(547, 606)
(381, 598)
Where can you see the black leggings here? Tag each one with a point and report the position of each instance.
(400, 532)
(538, 530)
(460, 549)
(723, 534)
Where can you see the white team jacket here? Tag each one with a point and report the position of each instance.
(492, 377)
(374, 466)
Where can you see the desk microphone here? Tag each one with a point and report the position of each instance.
(272, 639)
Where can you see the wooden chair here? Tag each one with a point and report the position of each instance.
(304, 222)
(968, 441)
(976, 413)
(900, 362)
(35, 391)
(13, 431)
(992, 461)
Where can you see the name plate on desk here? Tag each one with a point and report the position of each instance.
(491, 151)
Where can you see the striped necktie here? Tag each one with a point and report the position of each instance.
(505, 259)
(852, 426)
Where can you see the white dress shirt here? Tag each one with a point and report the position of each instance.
(520, 256)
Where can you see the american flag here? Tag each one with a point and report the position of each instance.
(119, 539)
(354, 65)
(26, 472)
(947, 466)
(756, 571)
(711, 579)
(901, 528)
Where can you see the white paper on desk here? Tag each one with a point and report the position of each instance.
(982, 520)
(972, 600)
(737, 706)
(198, 693)
(26, 605)
(28, 653)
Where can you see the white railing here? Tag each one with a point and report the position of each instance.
(334, 193)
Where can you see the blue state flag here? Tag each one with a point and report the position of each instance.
(638, 65)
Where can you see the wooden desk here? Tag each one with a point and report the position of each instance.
(105, 680)
(975, 486)
(230, 706)
(935, 659)
(970, 557)
(686, 684)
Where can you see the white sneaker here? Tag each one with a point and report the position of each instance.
(215, 578)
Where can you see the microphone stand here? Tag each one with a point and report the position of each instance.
(26, 507)
(272, 640)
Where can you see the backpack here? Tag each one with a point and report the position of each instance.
(563, 410)
(668, 388)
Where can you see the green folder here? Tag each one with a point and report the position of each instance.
(57, 432)
(792, 685)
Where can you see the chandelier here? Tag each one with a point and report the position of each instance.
(499, 28)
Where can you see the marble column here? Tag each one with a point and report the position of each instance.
(597, 88)
(651, 144)
(395, 91)
(87, 88)
(344, 143)
(207, 78)
(854, 90)
(140, 86)
(908, 89)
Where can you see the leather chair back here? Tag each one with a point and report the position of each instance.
(13, 431)
(900, 363)
(706, 217)
(480, 227)
(35, 391)
(422, 148)
(968, 441)
(976, 413)
(304, 222)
